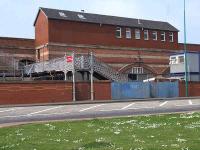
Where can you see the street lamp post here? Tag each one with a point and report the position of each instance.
(185, 49)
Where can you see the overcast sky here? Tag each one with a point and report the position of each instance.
(17, 16)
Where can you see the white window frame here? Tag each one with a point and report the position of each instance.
(118, 29)
(183, 59)
(171, 36)
(164, 36)
(173, 60)
(137, 70)
(156, 35)
(146, 35)
(128, 33)
(137, 34)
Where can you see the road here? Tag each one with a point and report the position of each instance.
(96, 110)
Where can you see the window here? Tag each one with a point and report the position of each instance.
(38, 54)
(62, 14)
(155, 35)
(173, 60)
(181, 59)
(118, 32)
(146, 35)
(163, 39)
(128, 33)
(171, 37)
(137, 70)
(81, 16)
(137, 34)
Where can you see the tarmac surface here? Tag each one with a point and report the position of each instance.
(27, 114)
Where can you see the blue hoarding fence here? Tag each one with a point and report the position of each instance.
(141, 90)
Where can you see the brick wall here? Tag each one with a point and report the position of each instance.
(51, 92)
(102, 90)
(193, 89)
(69, 32)
(191, 47)
(17, 42)
(41, 30)
(35, 92)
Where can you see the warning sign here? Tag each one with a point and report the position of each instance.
(69, 59)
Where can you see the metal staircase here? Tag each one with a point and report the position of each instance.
(81, 63)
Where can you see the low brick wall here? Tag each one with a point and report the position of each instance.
(102, 90)
(35, 92)
(193, 89)
(51, 92)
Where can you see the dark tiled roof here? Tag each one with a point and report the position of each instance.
(103, 19)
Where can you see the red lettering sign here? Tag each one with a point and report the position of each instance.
(69, 59)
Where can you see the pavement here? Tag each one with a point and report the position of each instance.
(27, 114)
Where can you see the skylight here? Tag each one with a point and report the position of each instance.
(81, 16)
(62, 14)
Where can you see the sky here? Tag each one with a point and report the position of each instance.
(17, 16)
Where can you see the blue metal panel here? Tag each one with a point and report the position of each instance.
(140, 90)
(130, 90)
(164, 89)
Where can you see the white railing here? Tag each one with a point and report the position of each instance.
(81, 62)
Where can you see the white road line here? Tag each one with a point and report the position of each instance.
(18, 116)
(37, 112)
(136, 108)
(190, 102)
(127, 106)
(9, 110)
(163, 103)
(91, 107)
(187, 105)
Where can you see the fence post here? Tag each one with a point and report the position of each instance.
(73, 76)
(91, 76)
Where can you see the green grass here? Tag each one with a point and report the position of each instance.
(160, 132)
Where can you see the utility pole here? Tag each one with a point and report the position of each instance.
(185, 49)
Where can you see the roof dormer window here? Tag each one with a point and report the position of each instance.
(81, 16)
(62, 14)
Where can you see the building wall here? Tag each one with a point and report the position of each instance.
(12, 50)
(119, 58)
(191, 47)
(68, 32)
(35, 92)
(102, 90)
(51, 92)
(193, 89)
(41, 30)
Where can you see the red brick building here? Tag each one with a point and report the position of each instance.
(14, 54)
(128, 45)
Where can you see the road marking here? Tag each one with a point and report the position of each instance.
(163, 103)
(9, 110)
(187, 105)
(91, 107)
(136, 108)
(127, 106)
(37, 112)
(190, 102)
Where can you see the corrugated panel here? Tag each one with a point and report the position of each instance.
(140, 90)
(130, 90)
(164, 89)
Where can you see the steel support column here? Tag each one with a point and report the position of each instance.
(91, 76)
(73, 77)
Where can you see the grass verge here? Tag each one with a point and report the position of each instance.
(158, 132)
